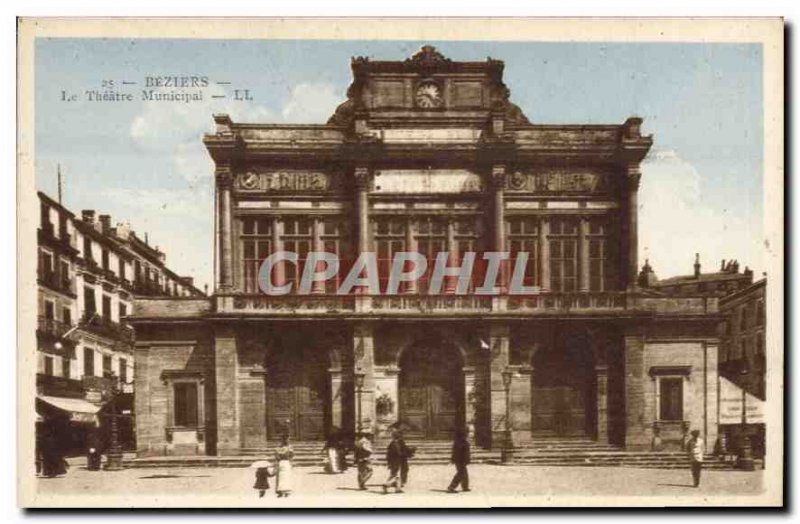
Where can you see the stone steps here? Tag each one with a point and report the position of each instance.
(540, 452)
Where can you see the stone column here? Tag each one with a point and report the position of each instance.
(583, 250)
(226, 364)
(364, 361)
(637, 429)
(225, 234)
(450, 282)
(363, 181)
(499, 223)
(252, 384)
(411, 246)
(337, 396)
(633, 176)
(470, 410)
(279, 270)
(499, 347)
(318, 286)
(601, 371)
(544, 255)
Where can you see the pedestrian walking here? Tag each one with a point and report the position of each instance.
(460, 457)
(363, 457)
(397, 455)
(93, 454)
(694, 448)
(284, 477)
(331, 450)
(53, 463)
(263, 473)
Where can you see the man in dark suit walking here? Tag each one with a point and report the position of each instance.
(460, 457)
(397, 455)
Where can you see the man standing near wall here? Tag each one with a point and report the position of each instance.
(695, 450)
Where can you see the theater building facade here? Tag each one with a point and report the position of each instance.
(426, 155)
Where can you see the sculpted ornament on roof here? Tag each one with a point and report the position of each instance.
(428, 56)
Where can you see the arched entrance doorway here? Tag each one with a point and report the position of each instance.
(563, 389)
(431, 390)
(297, 390)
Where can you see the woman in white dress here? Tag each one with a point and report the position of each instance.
(331, 452)
(284, 476)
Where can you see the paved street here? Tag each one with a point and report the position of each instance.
(492, 486)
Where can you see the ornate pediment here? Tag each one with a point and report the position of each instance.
(427, 56)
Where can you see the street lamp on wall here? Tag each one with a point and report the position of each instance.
(745, 461)
(359, 376)
(507, 452)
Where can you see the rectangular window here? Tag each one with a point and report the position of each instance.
(121, 267)
(431, 240)
(602, 269)
(390, 238)
(49, 310)
(256, 247)
(107, 307)
(297, 238)
(89, 304)
(671, 398)
(563, 254)
(523, 237)
(185, 412)
(123, 370)
(88, 362)
(64, 276)
(87, 248)
(47, 267)
(107, 366)
(66, 316)
(104, 259)
(123, 311)
(48, 366)
(45, 218)
(66, 370)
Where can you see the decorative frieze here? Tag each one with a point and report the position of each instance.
(284, 181)
(556, 181)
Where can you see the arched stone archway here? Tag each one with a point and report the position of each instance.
(563, 388)
(431, 388)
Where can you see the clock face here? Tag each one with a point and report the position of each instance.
(428, 95)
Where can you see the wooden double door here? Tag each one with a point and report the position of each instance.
(297, 395)
(431, 392)
(562, 395)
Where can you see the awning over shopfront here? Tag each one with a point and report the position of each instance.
(730, 405)
(78, 410)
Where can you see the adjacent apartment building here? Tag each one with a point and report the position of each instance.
(89, 275)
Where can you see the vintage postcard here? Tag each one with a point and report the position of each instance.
(400, 263)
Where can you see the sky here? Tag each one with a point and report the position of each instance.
(143, 162)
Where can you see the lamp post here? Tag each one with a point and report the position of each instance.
(359, 374)
(507, 452)
(745, 461)
(114, 457)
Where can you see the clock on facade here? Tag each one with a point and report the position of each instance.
(428, 95)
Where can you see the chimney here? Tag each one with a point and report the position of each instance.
(105, 224)
(722, 266)
(123, 230)
(697, 265)
(87, 215)
(187, 281)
